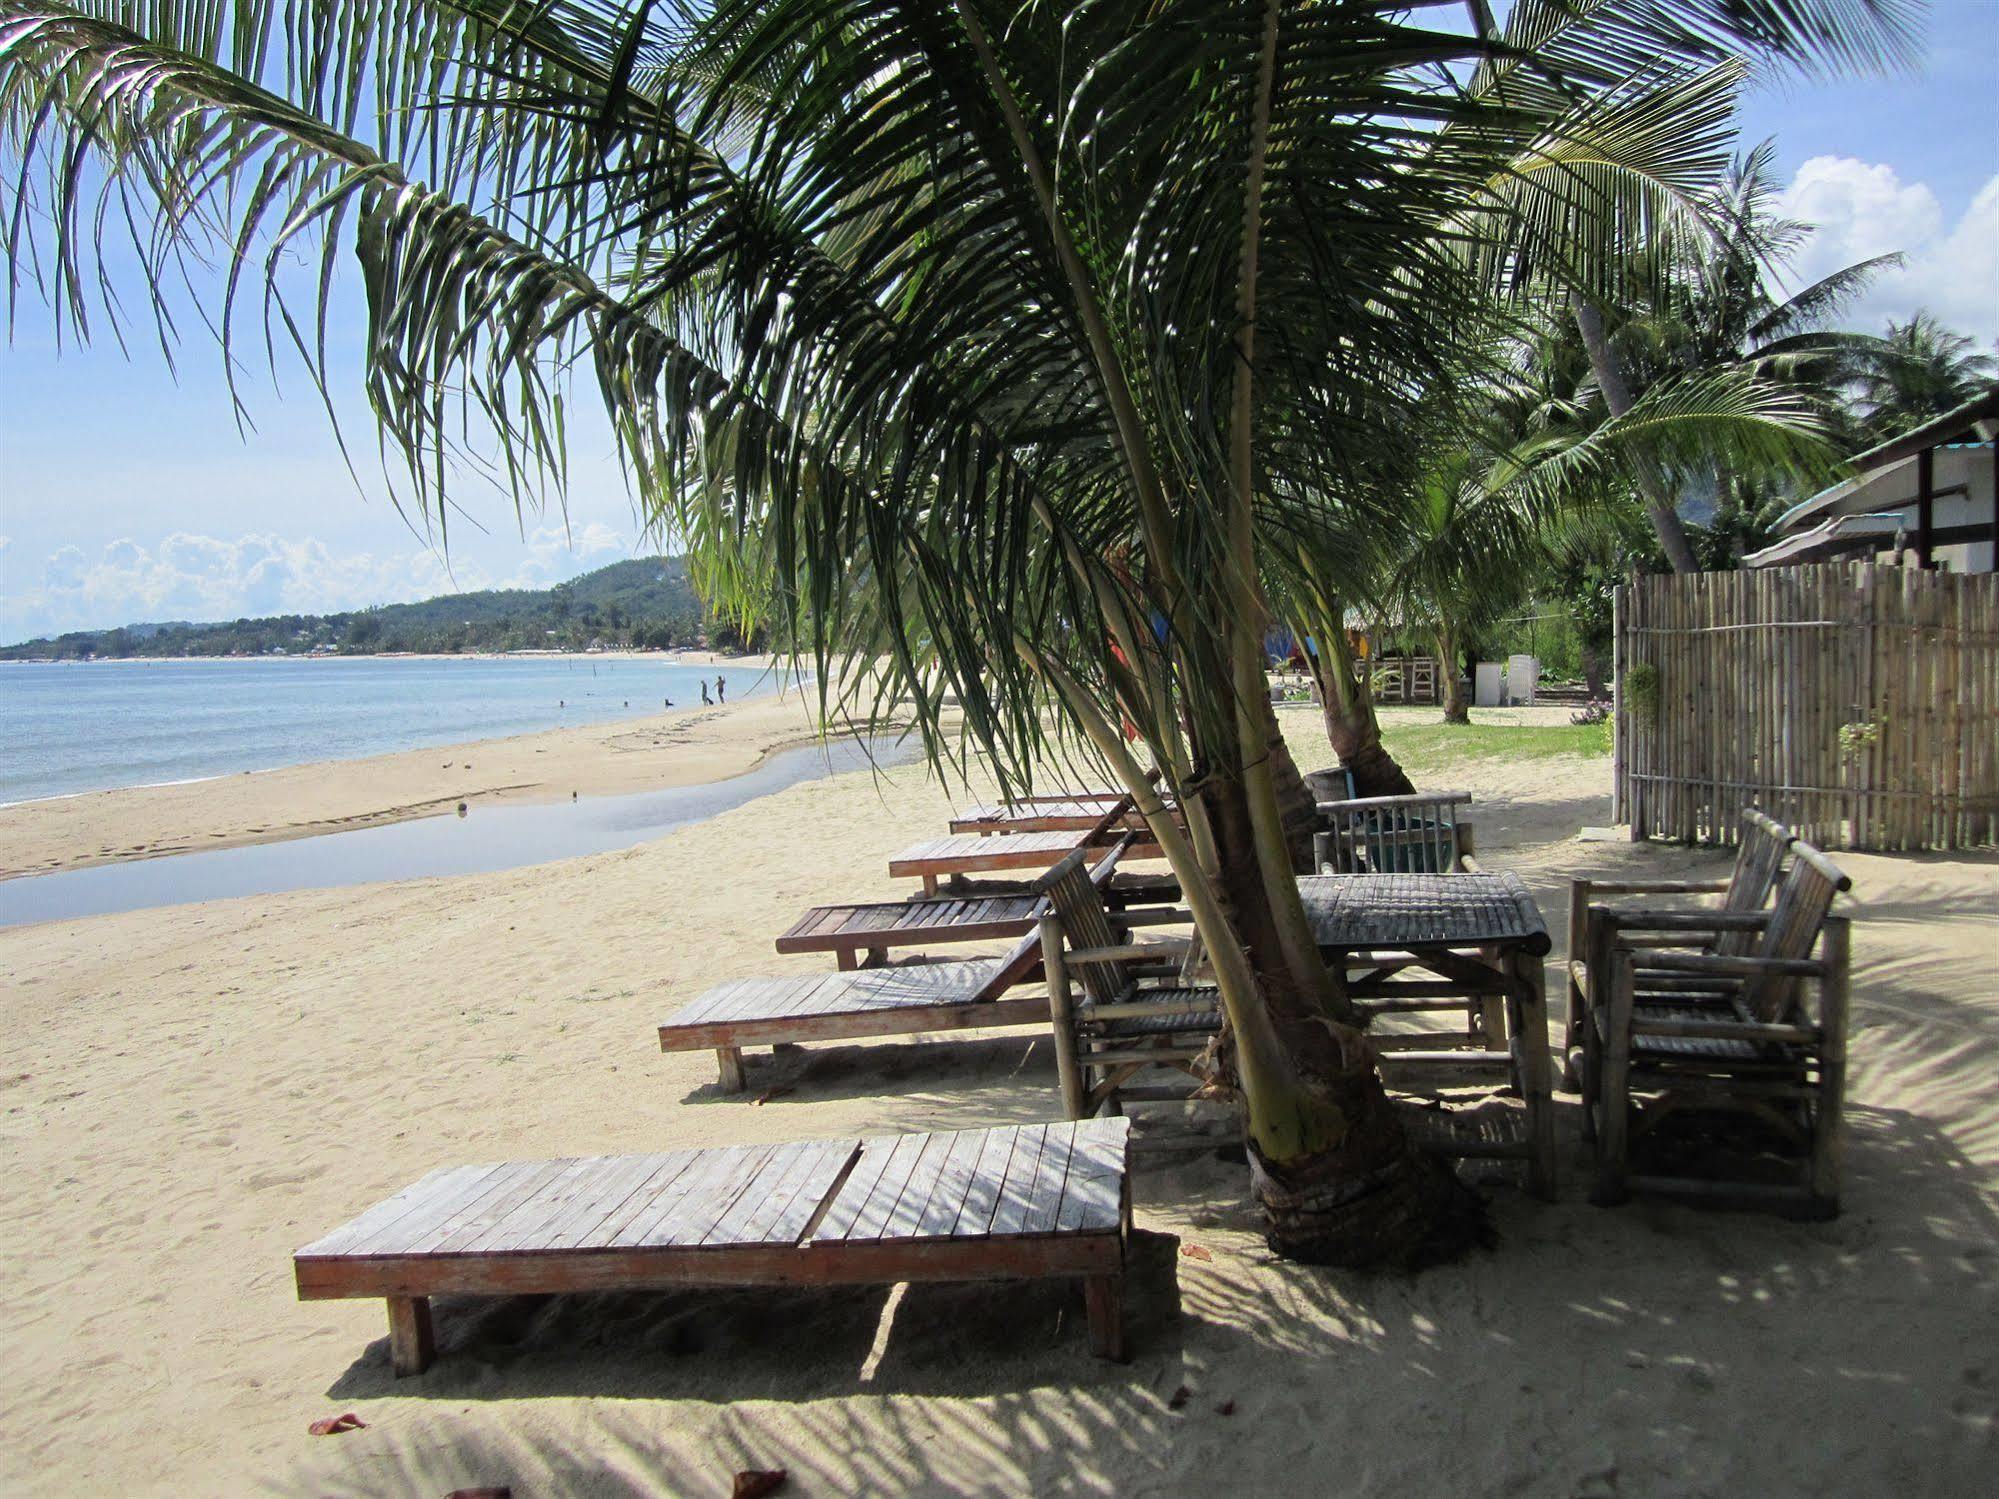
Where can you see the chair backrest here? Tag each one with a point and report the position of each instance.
(1759, 859)
(1391, 834)
(1803, 903)
(1086, 922)
(1022, 957)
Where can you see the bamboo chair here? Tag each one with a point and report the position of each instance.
(1138, 1007)
(1759, 860)
(1420, 834)
(1720, 1032)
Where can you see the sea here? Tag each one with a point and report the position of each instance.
(69, 727)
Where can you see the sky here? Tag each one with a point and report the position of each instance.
(128, 491)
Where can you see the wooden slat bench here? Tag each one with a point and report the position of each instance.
(1013, 1202)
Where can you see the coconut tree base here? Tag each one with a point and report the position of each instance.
(1407, 1213)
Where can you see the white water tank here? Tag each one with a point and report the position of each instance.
(1487, 682)
(1523, 675)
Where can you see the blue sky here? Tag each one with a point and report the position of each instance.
(126, 494)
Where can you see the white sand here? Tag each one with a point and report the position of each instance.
(186, 1095)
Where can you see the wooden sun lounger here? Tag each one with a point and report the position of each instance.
(907, 1000)
(861, 935)
(1073, 814)
(1013, 1202)
(977, 853)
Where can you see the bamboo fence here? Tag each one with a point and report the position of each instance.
(1857, 703)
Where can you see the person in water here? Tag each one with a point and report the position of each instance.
(721, 688)
(706, 700)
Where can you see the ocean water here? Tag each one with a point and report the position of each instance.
(67, 727)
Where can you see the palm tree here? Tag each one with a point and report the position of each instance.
(1021, 346)
(1920, 370)
(1714, 303)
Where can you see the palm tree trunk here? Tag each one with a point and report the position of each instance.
(1335, 1172)
(1336, 1175)
(1346, 701)
(1659, 505)
(1456, 708)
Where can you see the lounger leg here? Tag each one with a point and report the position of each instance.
(731, 1059)
(930, 884)
(411, 1345)
(1103, 1299)
(845, 958)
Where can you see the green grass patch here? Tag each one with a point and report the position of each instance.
(1425, 748)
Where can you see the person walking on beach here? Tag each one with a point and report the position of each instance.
(706, 701)
(721, 688)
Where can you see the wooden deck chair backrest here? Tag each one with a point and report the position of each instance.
(1021, 958)
(1086, 922)
(1759, 859)
(1802, 906)
(1392, 834)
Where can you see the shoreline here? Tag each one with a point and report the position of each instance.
(685, 655)
(682, 747)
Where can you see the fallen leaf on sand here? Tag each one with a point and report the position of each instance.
(1195, 1252)
(1179, 1398)
(332, 1426)
(765, 1097)
(492, 1491)
(755, 1483)
(1226, 1408)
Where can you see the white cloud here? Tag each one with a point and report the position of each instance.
(195, 577)
(1862, 209)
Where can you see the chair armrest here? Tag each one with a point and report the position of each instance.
(1152, 916)
(1703, 963)
(1130, 952)
(1627, 918)
(1654, 887)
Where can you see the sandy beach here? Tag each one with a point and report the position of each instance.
(187, 1095)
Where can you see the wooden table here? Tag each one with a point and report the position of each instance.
(1415, 943)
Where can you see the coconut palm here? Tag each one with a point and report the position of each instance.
(1714, 301)
(1921, 369)
(1014, 348)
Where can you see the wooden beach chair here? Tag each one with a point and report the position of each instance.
(911, 999)
(1676, 1031)
(1138, 1008)
(1759, 861)
(1009, 1203)
(1419, 834)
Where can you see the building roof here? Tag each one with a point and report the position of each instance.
(1977, 420)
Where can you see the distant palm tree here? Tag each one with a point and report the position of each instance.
(1025, 350)
(1921, 370)
(1713, 301)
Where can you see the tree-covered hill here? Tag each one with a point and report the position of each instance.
(646, 602)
